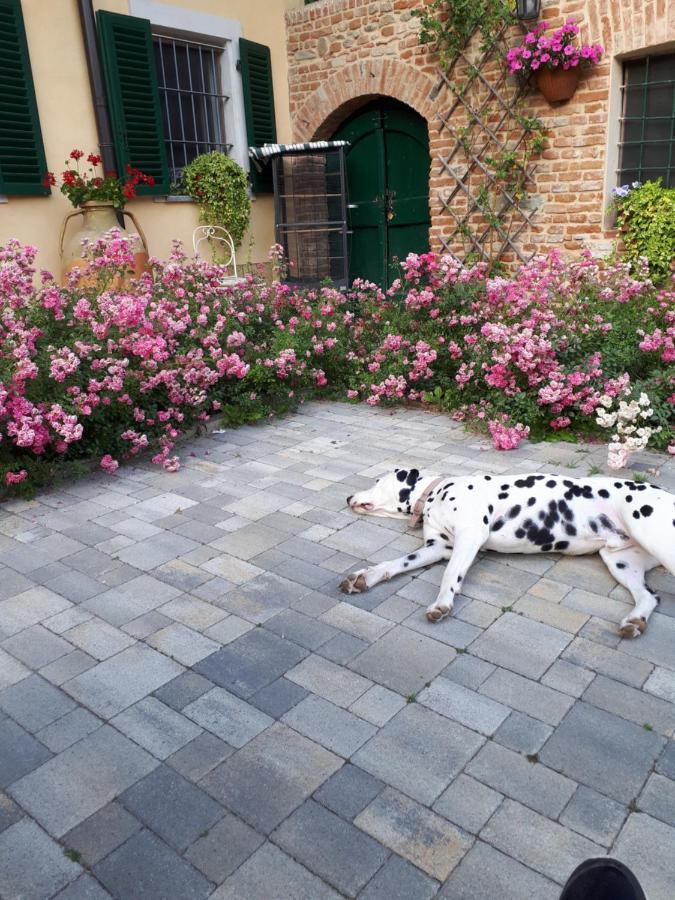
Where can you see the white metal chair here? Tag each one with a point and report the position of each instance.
(221, 236)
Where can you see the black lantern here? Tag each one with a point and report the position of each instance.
(528, 9)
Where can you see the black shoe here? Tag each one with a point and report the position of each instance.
(602, 879)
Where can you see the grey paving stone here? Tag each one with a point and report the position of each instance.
(11, 670)
(76, 586)
(68, 729)
(523, 733)
(193, 613)
(527, 696)
(402, 660)
(640, 846)
(631, 704)
(101, 833)
(220, 851)
(183, 689)
(69, 618)
(21, 846)
(126, 602)
(145, 867)
(656, 644)
(658, 798)
(348, 791)
(266, 780)
(62, 793)
(251, 662)
(19, 752)
(146, 624)
(116, 683)
(227, 716)
(360, 538)
(329, 725)
(468, 803)
(229, 629)
(378, 705)
(485, 872)
(181, 574)
(98, 638)
(312, 603)
(398, 880)
(463, 705)
(515, 776)
(602, 751)
(342, 648)
(330, 681)
(594, 815)
(28, 608)
(202, 754)
(174, 808)
(304, 630)
(414, 832)
(358, 622)
(661, 683)
(452, 631)
(309, 551)
(277, 698)
(538, 842)
(35, 703)
(156, 727)
(666, 762)
(9, 812)
(248, 541)
(566, 677)
(598, 604)
(182, 644)
(613, 663)
(492, 582)
(582, 572)
(67, 667)
(520, 644)
(36, 646)
(272, 873)
(333, 849)
(83, 888)
(468, 670)
(417, 733)
(551, 613)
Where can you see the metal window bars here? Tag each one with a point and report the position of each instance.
(189, 80)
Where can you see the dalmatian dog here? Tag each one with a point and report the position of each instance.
(630, 524)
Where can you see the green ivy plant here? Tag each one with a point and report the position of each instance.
(646, 217)
(220, 187)
(450, 24)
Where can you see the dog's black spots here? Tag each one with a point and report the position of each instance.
(451, 499)
(503, 496)
(673, 523)
(636, 514)
(497, 525)
(413, 475)
(514, 511)
(545, 548)
(607, 523)
(454, 509)
(491, 508)
(539, 477)
(520, 533)
(629, 498)
(594, 525)
(527, 482)
(542, 515)
(444, 496)
(398, 509)
(485, 520)
(448, 546)
(403, 494)
(405, 565)
(621, 565)
(531, 501)
(412, 556)
(646, 510)
(459, 579)
(487, 477)
(431, 542)
(617, 484)
(470, 487)
(505, 487)
(570, 530)
(603, 493)
(551, 483)
(401, 474)
(445, 537)
(561, 545)
(565, 510)
(642, 487)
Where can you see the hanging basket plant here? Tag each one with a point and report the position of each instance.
(554, 60)
(220, 187)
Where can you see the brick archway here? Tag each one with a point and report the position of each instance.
(357, 84)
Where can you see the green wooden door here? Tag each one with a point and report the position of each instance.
(388, 188)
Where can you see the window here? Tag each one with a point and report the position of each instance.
(189, 81)
(647, 146)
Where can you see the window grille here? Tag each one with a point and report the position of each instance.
(647, 148)
(189, 83)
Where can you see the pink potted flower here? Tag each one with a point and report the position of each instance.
(555, 60)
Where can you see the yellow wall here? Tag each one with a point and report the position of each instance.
(67, 121)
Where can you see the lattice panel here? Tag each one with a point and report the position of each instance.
(482, 121)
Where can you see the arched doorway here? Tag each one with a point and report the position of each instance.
(388, 187)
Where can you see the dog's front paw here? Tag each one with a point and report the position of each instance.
(632, 628)
(354, 584)
(437, 613)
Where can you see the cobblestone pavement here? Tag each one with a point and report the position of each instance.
(190, 708)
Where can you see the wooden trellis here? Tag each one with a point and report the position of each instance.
(483, 122)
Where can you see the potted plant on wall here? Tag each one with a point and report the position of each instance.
(555, 60)
(96, 198)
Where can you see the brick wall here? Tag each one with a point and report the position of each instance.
(344, 52)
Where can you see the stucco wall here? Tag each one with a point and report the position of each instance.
(342, 50)
(67, 120)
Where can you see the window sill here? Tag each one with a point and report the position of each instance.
(173, 198)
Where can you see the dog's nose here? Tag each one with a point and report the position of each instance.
(349, 499)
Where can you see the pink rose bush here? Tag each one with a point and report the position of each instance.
(105, 370)
(552, 51)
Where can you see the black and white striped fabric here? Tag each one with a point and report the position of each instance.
(260, 155)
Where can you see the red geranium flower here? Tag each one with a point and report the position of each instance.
(49, 180)
(94, 159)
(76, 154)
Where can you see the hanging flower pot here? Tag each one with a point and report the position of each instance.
(557, 85)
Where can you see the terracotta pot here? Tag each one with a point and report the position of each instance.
(557, 84)
(97, 218)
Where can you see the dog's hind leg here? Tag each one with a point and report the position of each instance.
(360, 581)
(467, 544)
(628, 566)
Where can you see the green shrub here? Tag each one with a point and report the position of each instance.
(220, 186)
(646, 216)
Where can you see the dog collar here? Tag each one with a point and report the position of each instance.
(419, 503)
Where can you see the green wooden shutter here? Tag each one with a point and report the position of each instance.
(22, 155)
(128, 63)
(261, 126)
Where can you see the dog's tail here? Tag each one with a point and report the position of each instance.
(650, 520)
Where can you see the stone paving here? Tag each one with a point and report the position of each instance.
(189, 708)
